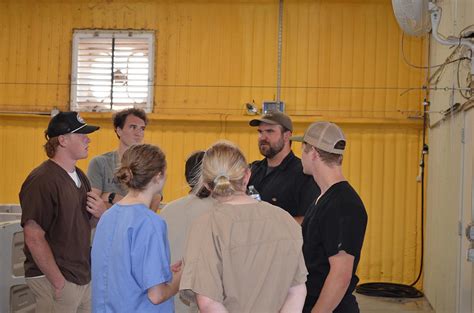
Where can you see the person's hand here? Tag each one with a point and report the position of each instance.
(95, 205)
(177, 267)
(155, 202)
(58, 289)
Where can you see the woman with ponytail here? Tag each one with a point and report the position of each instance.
(130, 253)
(243, 255)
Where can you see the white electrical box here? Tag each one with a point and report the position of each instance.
(273, 106)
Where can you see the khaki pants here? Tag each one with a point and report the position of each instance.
(74, 298)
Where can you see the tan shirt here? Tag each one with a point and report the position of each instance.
(179, 215)
(244, 256)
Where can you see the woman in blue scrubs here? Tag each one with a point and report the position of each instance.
(130, 254)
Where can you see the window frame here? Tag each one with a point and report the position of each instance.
(79, 34)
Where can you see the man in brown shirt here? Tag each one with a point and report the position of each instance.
(57, 209)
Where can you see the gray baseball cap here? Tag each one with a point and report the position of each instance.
(326, 136)
(274, 118)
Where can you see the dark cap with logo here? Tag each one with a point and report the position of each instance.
(274, 118)
(68, 123)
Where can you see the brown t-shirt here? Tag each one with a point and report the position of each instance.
(50, 197)
(244, 256)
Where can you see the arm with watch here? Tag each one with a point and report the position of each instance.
(109, 198)
(97, 209)
(112, 198)
(101, 176)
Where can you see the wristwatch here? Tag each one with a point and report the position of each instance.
(111, 197)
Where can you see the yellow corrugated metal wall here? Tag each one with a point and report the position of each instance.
(341, 61)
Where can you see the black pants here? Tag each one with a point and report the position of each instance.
(347, 305)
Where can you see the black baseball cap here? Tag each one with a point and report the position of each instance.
(68, 123)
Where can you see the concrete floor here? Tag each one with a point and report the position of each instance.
(392, 305)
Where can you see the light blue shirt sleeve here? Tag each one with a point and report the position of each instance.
(150, 255)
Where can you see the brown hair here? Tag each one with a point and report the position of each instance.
(330, 158)
(223, 169)
(120, 117)
(327, 157)
(51, 146)
(139, 164)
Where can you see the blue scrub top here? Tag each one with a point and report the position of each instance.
(130, 254)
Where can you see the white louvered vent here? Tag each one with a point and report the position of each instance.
(112, 70)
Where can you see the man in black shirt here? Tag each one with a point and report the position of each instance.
(334, 227)
(279, 178)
